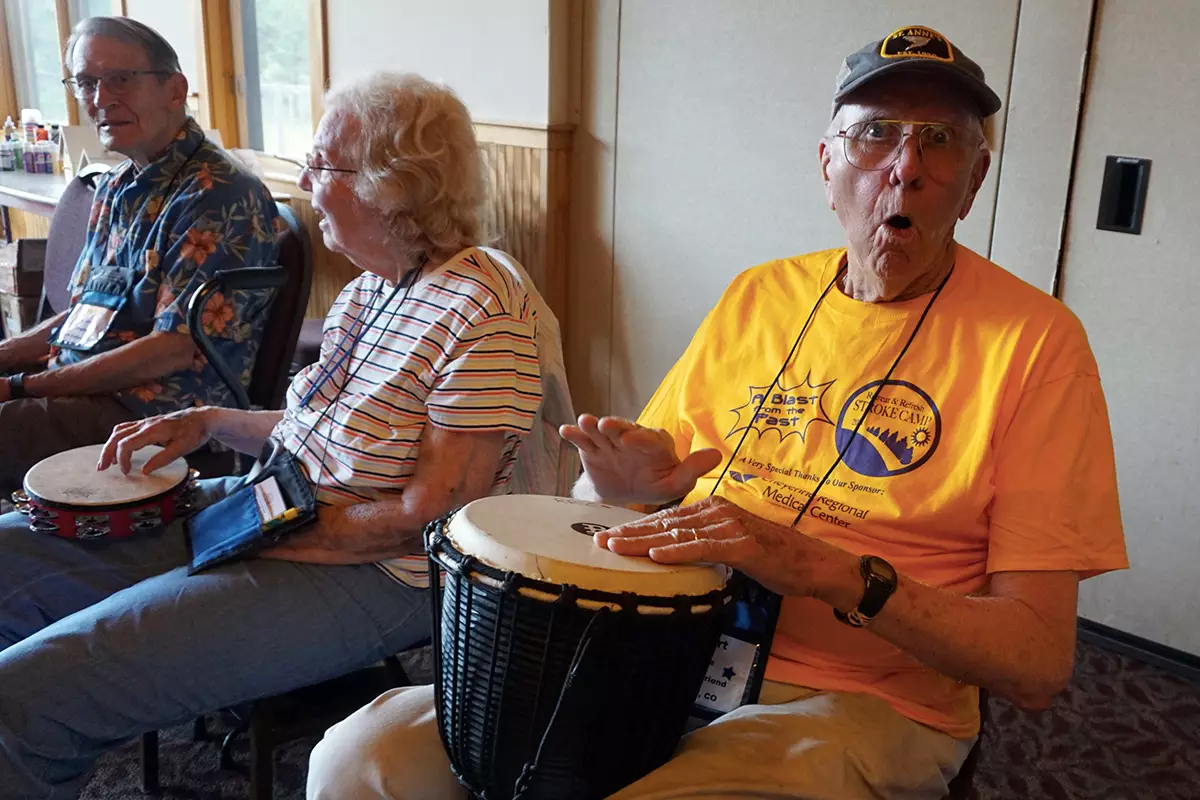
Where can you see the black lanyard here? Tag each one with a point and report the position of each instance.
(406, 282)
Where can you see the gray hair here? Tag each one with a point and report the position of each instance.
(419, 164)
(161, 55)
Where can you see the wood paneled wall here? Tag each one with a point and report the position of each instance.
(527, 213)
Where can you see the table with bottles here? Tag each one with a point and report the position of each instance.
(28, 191)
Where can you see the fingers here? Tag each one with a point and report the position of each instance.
(171, 451)
(694, 516)
(119, 433)
(693, 468)
(154, 433)
(715, 551)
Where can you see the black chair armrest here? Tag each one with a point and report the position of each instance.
(225, 281)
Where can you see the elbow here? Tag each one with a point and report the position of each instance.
(1038, 692)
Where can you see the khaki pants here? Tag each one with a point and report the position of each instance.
(35, 428)
(796, 743)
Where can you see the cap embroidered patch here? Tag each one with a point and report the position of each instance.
(917, 43)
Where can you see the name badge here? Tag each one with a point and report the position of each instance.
(85, 326)
(727, 683)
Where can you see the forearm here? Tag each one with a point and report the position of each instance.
(244, 431)
(140, 361)
(29, 348)
(999, 643)
(359, 534)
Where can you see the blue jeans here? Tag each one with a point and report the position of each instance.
(102, 641)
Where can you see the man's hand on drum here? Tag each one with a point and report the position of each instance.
(178, 433)
(628, 463)
(715, 530)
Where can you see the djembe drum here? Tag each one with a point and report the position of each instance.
(562, 670)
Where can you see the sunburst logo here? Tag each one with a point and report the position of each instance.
(784, 411)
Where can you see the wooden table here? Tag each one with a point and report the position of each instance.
(26, 191)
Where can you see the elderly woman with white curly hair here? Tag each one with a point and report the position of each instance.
(439, 374)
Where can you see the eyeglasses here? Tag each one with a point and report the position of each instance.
(118, 81)
(875, 144)
(320, 169)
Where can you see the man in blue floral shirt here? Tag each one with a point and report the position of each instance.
(162, 224)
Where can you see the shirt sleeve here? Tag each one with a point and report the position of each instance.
(225, 228)
(491, 380)
(1055, 505)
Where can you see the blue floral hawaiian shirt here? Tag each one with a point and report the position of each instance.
(177, 221)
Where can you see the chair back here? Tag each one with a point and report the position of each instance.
(68, 233)
(269, 380)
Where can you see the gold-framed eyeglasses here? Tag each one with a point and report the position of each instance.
(875, 144)
(119, 81)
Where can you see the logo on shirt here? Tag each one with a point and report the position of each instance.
(900, 432)
(784, 411)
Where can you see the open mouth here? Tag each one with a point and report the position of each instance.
(899, 222)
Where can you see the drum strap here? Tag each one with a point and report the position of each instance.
(529, 771)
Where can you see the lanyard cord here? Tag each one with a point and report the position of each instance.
(407, 283)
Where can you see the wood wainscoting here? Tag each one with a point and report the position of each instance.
(528, 213)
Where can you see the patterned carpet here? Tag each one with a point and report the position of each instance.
(1123, 730)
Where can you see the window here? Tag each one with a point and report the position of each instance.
(36, 57)
(276, 87)
(179, 23)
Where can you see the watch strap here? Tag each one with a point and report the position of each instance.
(876, 591)
(16, 386)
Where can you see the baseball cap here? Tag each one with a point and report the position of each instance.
(915, 48)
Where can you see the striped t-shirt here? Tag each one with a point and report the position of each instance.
(458, 351)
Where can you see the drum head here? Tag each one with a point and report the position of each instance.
(550, 539)
(70, 479)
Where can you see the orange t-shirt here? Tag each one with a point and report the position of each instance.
(989, 449)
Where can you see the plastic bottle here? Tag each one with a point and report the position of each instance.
(18, 153)
(10, 128)
(7, 162)
(45, 162)
(30, 157)
(30, 117)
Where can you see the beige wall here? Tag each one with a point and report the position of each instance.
(1137, 297)
(1042, 113)
(495, 53)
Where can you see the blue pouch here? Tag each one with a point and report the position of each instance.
(232, 527)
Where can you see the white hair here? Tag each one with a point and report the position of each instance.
(419, 164)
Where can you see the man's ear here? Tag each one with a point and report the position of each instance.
(179, 90)
(825, 155)
(978, 174)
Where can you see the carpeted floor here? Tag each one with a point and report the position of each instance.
(1123, 730)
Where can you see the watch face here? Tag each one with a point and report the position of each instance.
(881, 569)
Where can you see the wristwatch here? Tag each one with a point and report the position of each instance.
(880, 579)
(16, 386)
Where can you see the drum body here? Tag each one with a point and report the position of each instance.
(64, 495)
(551, 680)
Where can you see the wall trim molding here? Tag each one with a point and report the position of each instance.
(516, 134)
(1177, 662)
